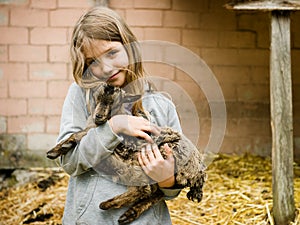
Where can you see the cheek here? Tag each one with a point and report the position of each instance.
(97, 71)
(122, 59)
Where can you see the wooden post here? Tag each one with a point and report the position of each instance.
(281, 102)
(281, 119)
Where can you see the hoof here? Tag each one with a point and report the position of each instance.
(124, 220)
(103, 206)
(129, 216)
(52, 154)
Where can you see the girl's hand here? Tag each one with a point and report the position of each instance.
(156, 167)
(133, 126)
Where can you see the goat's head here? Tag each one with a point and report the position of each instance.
(110, 101)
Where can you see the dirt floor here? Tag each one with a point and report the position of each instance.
(237, 191)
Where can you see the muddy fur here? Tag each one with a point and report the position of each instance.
(123, 166)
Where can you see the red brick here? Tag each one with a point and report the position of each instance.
(295, 73)
(248, 127)
(138, 32)
(144, 17)
(121, 4)
(13, 71)
(47, 71)
(43, 4)
(4, 17)
(59, 53)
(70, 74)
(16, 3)
(13, 107)
(121, 12)
(295, 31)
(190, 5)
(181, 19)
(296, 93)
(58, 89)
(217, 5)
(28, 17)
(253, 57)
(232, 74)
(27, 53)
(200, 38)
(160, 70)
(69, 34)
(13, 35)
(257, 93)
(3, 53)
(236, 145)
(3, 88)
(53, 124)
(152, 4)
(75, 4)
(224, 20)
(229, 91)
(234, 39)
(260, 75)
(25, 124)
(65, 17)
(45, 106)
(191, 89)
(163, 34)
(48, 36)
(215, 56)
(28, 89)
(248, 22)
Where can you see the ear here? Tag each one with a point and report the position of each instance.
(127, 98)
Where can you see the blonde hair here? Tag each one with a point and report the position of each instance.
(102, 23)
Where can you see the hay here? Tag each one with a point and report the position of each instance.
(237, 191)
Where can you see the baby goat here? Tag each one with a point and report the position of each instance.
(123, 165)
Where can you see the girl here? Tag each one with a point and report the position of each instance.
(104, 49)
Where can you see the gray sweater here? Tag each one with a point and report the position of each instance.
(87, 188)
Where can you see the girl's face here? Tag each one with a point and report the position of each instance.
(107, 61)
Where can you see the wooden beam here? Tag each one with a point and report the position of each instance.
(263, 5)
(281, 119)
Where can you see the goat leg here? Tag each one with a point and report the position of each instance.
(137, 209)
(133, 194)
(195, 192)
(67, 145)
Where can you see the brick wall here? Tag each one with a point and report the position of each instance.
(35, 71)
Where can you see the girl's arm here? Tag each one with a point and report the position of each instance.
(95, 146)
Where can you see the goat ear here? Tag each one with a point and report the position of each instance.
(130, 98)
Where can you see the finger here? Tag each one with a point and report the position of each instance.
(150, 153)
(156, 152)
(141, 162)
(168, 150)
(144, 167)
(144, 157)
(150, 127)
(155, 129)
(145, 136)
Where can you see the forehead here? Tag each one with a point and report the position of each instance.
(99, 47)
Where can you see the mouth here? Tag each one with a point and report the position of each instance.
(114, 76)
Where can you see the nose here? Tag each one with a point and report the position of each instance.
(107, 66)
(102, 68)
(98, 120)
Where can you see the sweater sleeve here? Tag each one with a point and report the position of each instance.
(99, 142)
